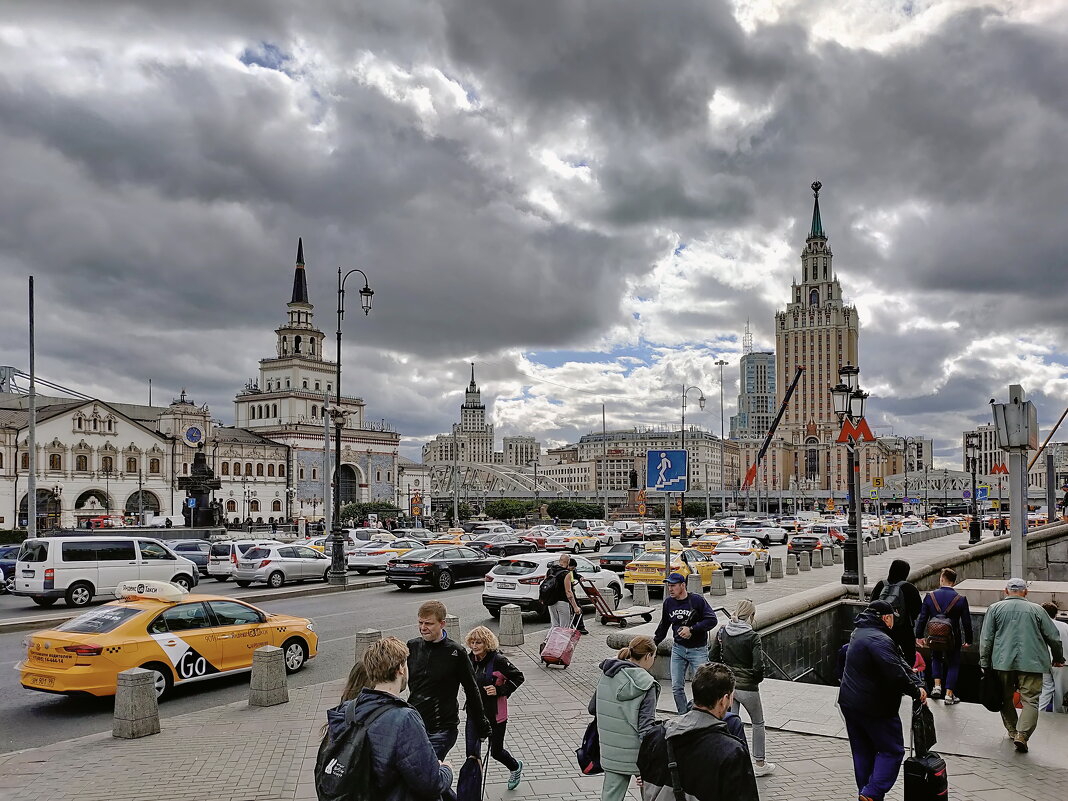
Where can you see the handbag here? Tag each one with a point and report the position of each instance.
(923, 728)
(990, 690)
(588, 753)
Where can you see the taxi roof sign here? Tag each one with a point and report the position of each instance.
(150, 590)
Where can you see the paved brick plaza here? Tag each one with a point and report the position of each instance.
(237, 753)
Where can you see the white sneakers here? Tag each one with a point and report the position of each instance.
(763, 770)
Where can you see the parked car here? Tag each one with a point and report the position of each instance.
(180, 638)
(481, 531)
(808, 541)
(79, 568)
(196, 551)
(836, 533)
(8, 557)
(648, 566)
(502, 545)
(366, 534)
(515, 580)
(762, 530)
(744, 551)
(424, 535)
(376, 554)
(275, 565)
(619, 556)
(707, 544)
(574, 540)
(438, 566)
(539, 534)
(588, 523)
(224, 555)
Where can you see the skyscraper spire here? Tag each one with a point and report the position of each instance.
(817, 223)
(300, 280)
(472, 375)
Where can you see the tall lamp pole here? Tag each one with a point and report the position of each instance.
(682, 437)
(339, 569)
(848, 401)
(971, 448)
(906, 443)
(722, 447)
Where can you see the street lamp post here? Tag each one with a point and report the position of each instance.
(905, 447)
(722, 476)
(848, 401)
(107, 491)
(682, 438)
(971, 447)
(537, 498)
(339, 571)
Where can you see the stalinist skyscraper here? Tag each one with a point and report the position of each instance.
(817, 331)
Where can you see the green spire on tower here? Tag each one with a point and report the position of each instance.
(817, 223)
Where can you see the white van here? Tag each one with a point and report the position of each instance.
(588, 524)
(78, 568)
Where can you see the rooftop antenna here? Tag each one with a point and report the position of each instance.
(747, 340)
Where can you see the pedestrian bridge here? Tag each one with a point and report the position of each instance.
(486, 481)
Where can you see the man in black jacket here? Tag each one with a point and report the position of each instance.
(713, 764)
(437, 668)
(873, 680)
(905, 598)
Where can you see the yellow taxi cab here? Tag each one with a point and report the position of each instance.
(453, 536)
(574, 540)
(707, 544)
(377, 554)
(320, 543)
(648, 567)
(158, 626)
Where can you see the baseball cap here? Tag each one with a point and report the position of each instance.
(882, 608)
(1015, 585)
(675, 578)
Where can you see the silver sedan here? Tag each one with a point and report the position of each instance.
(277, 564)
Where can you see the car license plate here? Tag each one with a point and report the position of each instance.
(40, 681)
(247, 565)
(506, 585)
(27, 574)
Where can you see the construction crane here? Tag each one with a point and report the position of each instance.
(750, 475)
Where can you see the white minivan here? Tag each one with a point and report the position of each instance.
(78, 568)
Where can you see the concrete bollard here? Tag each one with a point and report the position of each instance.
(611, 600)
(760, 573)
(905, 541)
(836, 555)
(806, 561)
(867, 548)
(268, 686)
(895, 542)
(511, 628)
(640, 592)
(791, 564)
(719, 583)
(694, 585)
(136, 708)
(777, 570)
(452, 626)
(882, 544)
(817, 560)
(828, 556)
(738, 578)
(364, 639)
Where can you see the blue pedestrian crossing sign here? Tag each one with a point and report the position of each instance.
(982, 493)
(665, 471)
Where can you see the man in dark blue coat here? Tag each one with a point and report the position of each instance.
(873, 681)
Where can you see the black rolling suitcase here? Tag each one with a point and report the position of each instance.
(926, 778)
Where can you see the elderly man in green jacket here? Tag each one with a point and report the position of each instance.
(1017, 640)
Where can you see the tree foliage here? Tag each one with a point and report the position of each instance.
(574, 510)
(508, 509)
(359, 511)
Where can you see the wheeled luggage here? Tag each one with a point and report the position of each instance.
(926, 778)
(559, 646)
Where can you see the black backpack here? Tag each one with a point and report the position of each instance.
(939, 629)
(551, 590)
(894, 595)
(343, 766)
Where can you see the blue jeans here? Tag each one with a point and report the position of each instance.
(681, 659)
(878, 749)
(443, 740)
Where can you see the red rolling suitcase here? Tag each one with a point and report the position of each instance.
(559, 646)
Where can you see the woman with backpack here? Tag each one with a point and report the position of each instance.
(905, 598)
(498, 678)
(945, 626)
(737, 645)
(625, 706)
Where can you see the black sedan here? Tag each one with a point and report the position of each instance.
(502, 545)
(619, 556)
(441, 566)
(195, 551)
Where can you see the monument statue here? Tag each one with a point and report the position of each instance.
(202, 513)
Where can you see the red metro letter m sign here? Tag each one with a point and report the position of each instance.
(858, 433)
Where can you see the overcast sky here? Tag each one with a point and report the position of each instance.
(586, 198)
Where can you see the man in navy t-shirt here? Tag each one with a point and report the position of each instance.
(690, 618)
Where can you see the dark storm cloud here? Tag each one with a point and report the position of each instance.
(161, 159)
